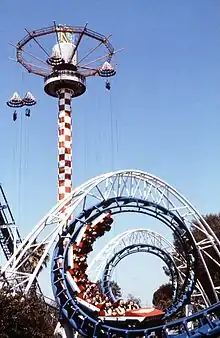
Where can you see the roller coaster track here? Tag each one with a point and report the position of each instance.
(9, 235)
(131, 191)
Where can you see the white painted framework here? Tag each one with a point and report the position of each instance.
(124, 183)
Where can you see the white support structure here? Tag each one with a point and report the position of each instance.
(10, 237)
(124, 183)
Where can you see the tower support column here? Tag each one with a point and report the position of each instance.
(64, 143)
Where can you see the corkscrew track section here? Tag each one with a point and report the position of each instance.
(132, 191)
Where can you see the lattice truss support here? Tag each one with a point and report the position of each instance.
(9, 234)
(124, 183)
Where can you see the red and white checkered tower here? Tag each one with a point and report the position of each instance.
(64, 83)
(65, 78)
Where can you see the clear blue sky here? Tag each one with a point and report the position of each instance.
(165, 103)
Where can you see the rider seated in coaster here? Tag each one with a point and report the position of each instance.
(131, 305)
(114, 311)
(108, 309)
(81, 284)
(92, 285)
(106, 299)
(76, 266)
(93, 233)
(120, 309)
(107, 227)
(87, 239)
(76, 249)
(86, 247)
(89, 299)
(101, 232)
(100, 229)
(81, 260)
(108, 219)
(87, 295)
(98, 299)
(83, 266)
(89, 289)
(98, 302)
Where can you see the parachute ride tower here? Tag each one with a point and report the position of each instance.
(65, 70)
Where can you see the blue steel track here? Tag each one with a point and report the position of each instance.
(206, 323)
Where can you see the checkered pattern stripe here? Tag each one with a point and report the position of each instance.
(64, 144)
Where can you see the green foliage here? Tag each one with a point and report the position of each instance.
(33, 256)
(162, 297)
(116, 290)
(25, 316)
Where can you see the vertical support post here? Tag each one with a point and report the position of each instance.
(65, 157)
(189, 312)
(64, 143)
(65, 331)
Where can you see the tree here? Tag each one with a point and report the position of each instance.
(35, 256)
(25, 316)
(162, 297)
(116, 290)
